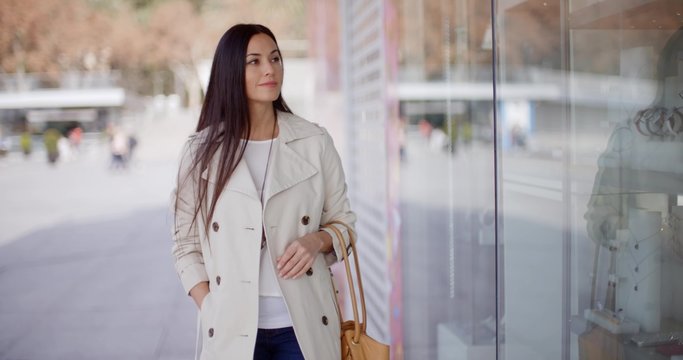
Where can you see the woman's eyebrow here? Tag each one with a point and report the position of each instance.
(257, 54)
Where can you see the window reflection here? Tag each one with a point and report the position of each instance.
(591, 159)
(633, 217)
(589, 149)
(447, 183)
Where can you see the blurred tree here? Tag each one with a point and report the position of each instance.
(46, 35)
(174, 34)
(325, 39)
(198, 5)
(139, 4)
(177, 40)
(437, 34)
(127, 41)
(141, 37)
(287, 19)
(51, 137)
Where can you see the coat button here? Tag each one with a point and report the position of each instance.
(305, 220)
(324, 320)
(215, 226)
(218, 280)
(211, 332)
(309, 272)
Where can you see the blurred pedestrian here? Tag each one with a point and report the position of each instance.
(425, 128)
(132, 144)
(401, 137)
(119, 150)
(64, 147)
(26, 143)
(51, 139)
(438, 140)
(4, 145)
(75, 138)
(255, 185)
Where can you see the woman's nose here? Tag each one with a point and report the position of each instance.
(268, 69)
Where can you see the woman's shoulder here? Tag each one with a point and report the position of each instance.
(294, 127)
(198, 137)
(191, 146)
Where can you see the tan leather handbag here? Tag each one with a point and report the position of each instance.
(355, 343)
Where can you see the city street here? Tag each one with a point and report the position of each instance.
(85, 262)
(86, 270)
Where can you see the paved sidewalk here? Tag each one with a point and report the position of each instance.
(85, 264)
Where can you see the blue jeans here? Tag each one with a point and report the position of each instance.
(277, 344)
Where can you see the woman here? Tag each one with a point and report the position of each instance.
(254, 187)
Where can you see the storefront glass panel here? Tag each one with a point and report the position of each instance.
(447, 204)
(590, 128)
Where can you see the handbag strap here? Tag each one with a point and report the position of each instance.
(359, 326)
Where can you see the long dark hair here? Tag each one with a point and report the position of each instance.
(224, 118)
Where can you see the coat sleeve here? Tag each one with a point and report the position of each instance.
(186, 249)
(336, 204)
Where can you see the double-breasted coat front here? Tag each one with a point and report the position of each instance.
(306, 188)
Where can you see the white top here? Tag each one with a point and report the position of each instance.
(273, 312)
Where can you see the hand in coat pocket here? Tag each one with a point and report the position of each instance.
(199, 293)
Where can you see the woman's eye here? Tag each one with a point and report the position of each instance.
(276, 59)
(252, 62)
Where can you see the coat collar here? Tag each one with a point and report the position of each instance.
(287, 168)
(294, 128)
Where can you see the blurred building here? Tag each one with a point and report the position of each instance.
(35, 102)
(516, 169)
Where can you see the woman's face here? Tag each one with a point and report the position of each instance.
(264, 72)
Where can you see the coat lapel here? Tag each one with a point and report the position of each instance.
(287, 169)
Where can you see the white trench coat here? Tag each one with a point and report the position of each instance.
(306, 189)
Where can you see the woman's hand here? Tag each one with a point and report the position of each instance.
(199, 292)
(301, 253)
